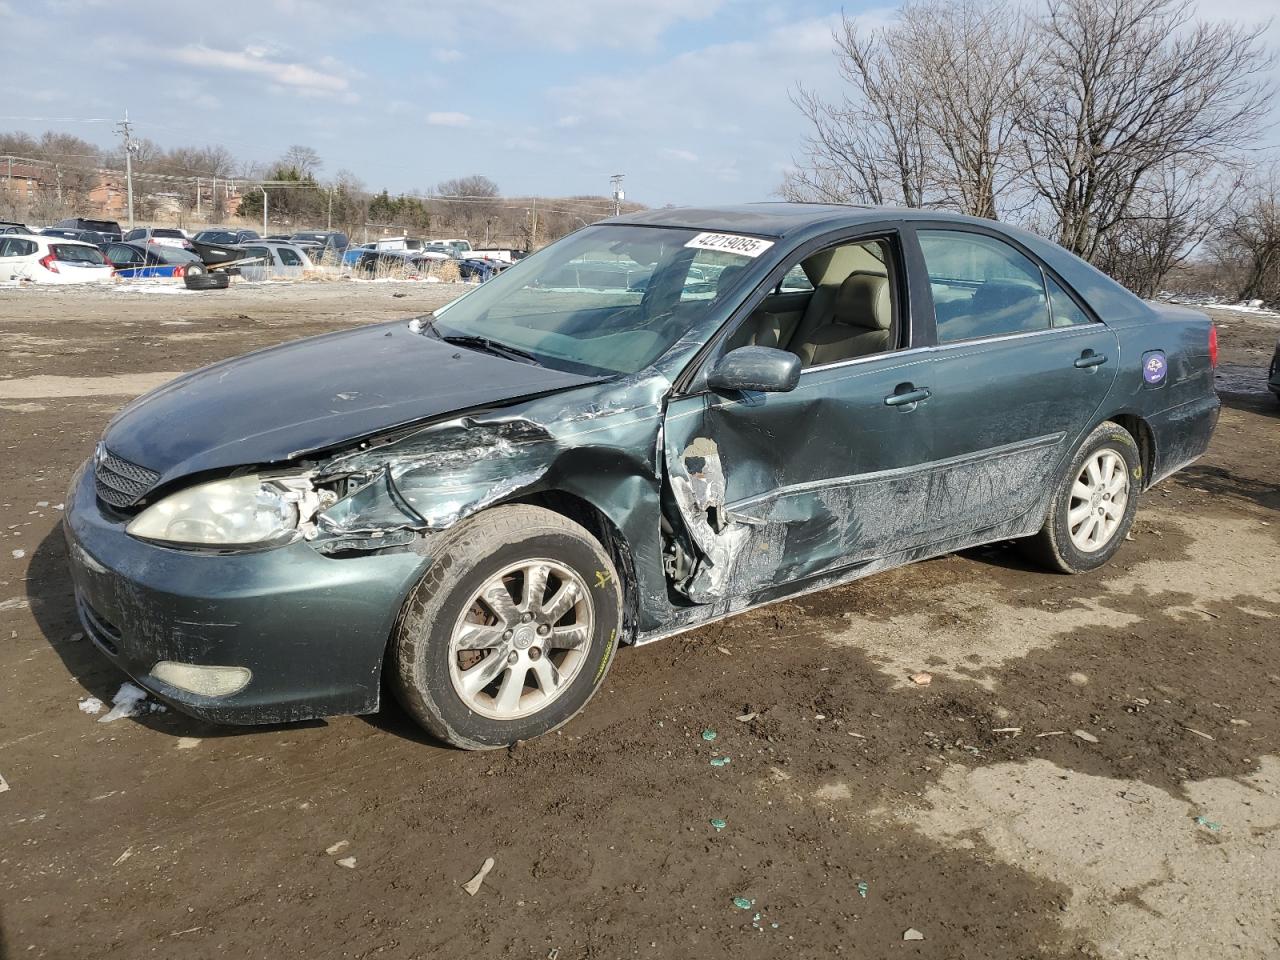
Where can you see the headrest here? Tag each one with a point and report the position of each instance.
(728, 277)
(863, 301)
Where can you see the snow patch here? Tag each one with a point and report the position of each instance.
(91, 705)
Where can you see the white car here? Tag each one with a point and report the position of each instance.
(161, 236)
(276, 260)
(51, 260)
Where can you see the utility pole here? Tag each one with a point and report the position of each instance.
(618, 196)
(197, 198)
(329, 223)
(264, 211)
(130, 147)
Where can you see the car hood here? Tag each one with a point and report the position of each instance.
(297, 398)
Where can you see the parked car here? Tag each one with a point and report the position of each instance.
(151, 261)
(161, 236)
(108, 228)
(225, 235)
(391, 264)
(457, 248)
(84, 236)
(478, 506)
(331, 243)
(277, 260)
(1273, 374)
(40, 259)
(12, 226)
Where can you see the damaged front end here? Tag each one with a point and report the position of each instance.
(393, 492)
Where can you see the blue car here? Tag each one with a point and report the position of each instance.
(142, 261)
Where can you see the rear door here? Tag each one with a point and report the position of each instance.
(16, 257)
(1022, 368)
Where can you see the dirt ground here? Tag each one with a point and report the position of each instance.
(857, 805)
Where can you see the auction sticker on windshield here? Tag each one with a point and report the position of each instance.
(730, 243)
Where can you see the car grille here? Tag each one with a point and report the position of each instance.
(119, 482)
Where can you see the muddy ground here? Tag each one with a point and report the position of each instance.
(969, 808)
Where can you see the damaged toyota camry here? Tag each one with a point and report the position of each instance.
(653, 423)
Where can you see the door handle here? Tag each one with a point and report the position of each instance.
(1090, 359)
(911, 395)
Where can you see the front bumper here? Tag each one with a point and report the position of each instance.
(312, 629)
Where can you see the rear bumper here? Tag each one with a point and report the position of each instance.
(312, 629)
(1182, 434)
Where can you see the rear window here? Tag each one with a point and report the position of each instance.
(74, 253)
(172, 234)
(216, 236)
(289, 257)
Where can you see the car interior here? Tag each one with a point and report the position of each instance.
(842, 304)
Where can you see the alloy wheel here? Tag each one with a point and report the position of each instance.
(521, 640)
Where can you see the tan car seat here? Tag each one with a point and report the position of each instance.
(859, 324)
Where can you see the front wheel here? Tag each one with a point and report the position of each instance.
(510, 632)
(1094, 503)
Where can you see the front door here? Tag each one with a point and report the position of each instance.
(773, 488)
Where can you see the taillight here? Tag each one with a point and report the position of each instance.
(49, 262)
(1213, 345)
(180, 271)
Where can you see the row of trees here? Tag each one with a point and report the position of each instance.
(191, 180)
(1123, 129)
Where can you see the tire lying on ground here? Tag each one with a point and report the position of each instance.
(510, 632)
(1093, 505)
(198, 278)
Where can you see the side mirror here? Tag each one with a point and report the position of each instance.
(765, 369)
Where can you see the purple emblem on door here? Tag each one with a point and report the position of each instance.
(1154, 367)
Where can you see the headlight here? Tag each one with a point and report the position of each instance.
(243, 511)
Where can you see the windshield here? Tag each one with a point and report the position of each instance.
(174, 255)
(609, 299)
(216, 236)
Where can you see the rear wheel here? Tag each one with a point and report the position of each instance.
(1094, 504)
(510, 632)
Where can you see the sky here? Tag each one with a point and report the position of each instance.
(690, 99)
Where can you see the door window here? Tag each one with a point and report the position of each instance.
(850, 310)
(982, 287)
(288, 257)
(13, 247)
(118, 254)
(1066, 312)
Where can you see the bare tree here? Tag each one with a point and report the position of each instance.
(929, 118)
(468, 202)
(1123, 88)
(1174, 210)
(305, 160)
(1249, 244)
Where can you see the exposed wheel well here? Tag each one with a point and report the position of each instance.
(1146, 441)
(602, 528)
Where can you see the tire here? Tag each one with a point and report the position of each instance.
(1060, 548)
(502, 550)
(198, 278)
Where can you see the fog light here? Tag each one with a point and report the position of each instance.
(203, 680)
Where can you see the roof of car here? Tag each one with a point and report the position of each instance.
(780, 218)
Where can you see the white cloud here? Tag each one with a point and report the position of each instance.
(573, 25)
(448, 55)
(672, 153)
(255, 61)
(569, 120)
(448, 119)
